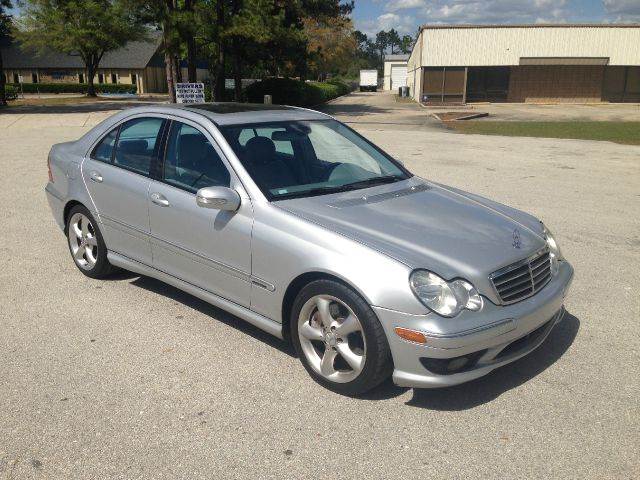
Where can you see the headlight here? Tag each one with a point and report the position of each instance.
(445, 298)
(554, 250)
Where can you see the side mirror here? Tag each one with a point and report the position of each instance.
(218, 198)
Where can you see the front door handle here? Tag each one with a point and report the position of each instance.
(159, 199)
(95, 176)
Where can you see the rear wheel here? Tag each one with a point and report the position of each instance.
(86, 244)
(339, 339)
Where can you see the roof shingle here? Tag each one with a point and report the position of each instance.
(133, 55)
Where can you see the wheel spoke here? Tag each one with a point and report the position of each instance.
(89, 255)
(77, 230)
(79, 253)
(310, 333)
(85, 226)
(92, 241)
(354, 360)
(349, 325)
(323, 311)
(326, 364)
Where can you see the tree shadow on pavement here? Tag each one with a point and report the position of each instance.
(351, 109)
(80, 107)
(161, 288)
(491, 386)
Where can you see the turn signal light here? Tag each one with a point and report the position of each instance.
(410, 335)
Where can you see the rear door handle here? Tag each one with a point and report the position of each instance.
(159, 199)
(95, 176)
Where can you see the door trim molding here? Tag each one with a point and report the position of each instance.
(190, 254)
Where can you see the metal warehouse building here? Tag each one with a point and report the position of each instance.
(525, 63)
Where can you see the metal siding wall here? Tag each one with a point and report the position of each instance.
(414, 69)
(567, 84)
(504, 46)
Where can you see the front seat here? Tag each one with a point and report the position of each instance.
(265, 167)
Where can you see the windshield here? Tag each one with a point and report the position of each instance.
(304, 158)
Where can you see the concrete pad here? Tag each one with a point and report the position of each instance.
(130, 378)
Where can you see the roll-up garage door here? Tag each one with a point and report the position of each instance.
(398, 77)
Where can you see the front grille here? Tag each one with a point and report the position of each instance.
(522, 279)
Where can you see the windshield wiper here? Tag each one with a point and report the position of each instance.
(341, 188)
(373, 181)
(312, 192)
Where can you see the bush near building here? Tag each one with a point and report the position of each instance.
(72, 88)
(286, 91)
(10, 92)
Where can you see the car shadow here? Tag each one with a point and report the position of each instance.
(459, 397)
(491, 386)
(161, 288)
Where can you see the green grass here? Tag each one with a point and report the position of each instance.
(619, 132)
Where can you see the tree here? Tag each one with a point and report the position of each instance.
(5, 27)
(188, 19)
(406, 43)
(331, 45)
(88, 28)
(209, 21)
(393, 39)
(381, 43)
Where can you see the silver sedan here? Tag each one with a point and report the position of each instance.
(293, 222)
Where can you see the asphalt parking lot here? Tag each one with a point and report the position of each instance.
(130, 378)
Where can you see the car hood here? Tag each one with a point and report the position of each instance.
(427, 225)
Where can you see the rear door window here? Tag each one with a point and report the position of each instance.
(104, 150)
(137, 144)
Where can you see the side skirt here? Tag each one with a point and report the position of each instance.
(260, 321)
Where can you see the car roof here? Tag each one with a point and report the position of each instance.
(231, 113)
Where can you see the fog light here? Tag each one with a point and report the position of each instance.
(410, 335)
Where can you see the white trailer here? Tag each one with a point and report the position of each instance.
(368, 80)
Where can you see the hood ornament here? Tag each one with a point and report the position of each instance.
(517, 242)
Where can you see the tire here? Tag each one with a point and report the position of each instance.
(344, 357)
(86, 244)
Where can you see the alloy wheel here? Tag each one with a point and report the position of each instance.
(82, 241)
(332, 338)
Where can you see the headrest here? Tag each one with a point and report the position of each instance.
(260, 150)
(192, 149)
(136, 147)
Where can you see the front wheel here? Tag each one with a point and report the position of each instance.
(339, 339)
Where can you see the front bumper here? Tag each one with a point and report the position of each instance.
(489, 339)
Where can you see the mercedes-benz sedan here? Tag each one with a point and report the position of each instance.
(295, 223)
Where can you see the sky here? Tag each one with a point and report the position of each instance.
(371, 16)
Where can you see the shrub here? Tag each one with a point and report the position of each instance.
(228, 94)
(74, 88)
(10, 92)
(286, 91)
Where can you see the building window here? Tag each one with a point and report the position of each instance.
(16, 78)
(101, 78)
(114, 78)
(34, 77)
(134, 79)
(81, 78)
